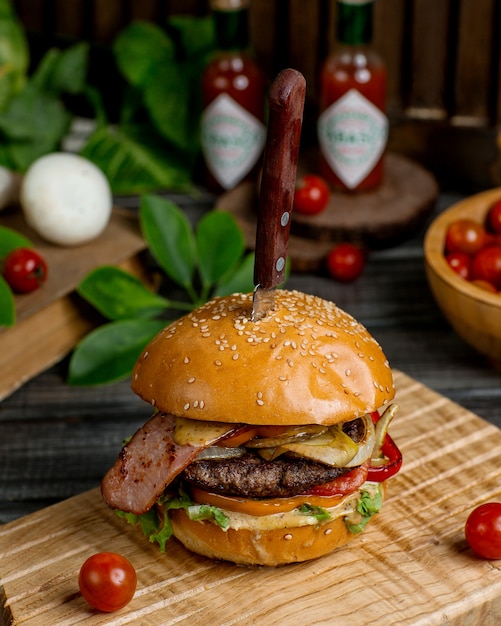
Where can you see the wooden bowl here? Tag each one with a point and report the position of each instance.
(474, 314)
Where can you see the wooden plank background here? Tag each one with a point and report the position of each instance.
(443, 56)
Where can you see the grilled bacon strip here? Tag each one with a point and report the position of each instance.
(146, 465)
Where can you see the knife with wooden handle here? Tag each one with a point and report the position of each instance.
(276, 195)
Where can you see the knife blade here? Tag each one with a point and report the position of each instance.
(276, 195)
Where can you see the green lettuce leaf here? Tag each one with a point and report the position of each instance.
(368, 505)
(321, 514)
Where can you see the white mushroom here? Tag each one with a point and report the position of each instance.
(66, 199)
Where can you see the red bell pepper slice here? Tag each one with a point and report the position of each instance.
(392, 458)
(393, 463)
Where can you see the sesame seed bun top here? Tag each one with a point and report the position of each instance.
(306, 362)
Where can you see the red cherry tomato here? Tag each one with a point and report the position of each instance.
(466, 236)
(483, 530)
(346, 262)
(486, 265)
(25, 270)
(107, 581)
(493, 219)
(311, 195)
(460, 262)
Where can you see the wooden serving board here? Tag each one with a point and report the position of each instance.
(411, 566)
(376, 219)
(49, 321)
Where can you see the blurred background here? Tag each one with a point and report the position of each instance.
(443, 59)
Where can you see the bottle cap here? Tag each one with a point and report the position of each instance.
(229, 5)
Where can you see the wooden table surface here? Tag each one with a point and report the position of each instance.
(57, 441)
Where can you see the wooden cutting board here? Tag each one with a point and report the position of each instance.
(411, 566)
(50, 321)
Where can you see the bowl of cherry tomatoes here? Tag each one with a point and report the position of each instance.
(462, 251)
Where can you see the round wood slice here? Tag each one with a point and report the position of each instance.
(378, 219)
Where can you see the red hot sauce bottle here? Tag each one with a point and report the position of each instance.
(233, 94)
(352, 126)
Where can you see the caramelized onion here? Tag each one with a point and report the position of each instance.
(291, 435)
(366, 446)
(219, 452)
(381, 430)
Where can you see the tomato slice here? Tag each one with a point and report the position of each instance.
(345, 484)
(264, 506)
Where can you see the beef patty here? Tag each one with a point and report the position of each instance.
(251, 476)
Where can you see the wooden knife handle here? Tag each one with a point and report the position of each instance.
(276, 195)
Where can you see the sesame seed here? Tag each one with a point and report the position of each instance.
(217, 362)
(288, 536)
(259, 394)
(186, 406)
(186, 359)
(195, 404)
(348, 372)
(235, 357)
(191, 380)
(283, 378)
(328, 531)
(290, 362)
(201, 404)
(260, 402)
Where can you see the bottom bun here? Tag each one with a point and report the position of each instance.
(257, 547)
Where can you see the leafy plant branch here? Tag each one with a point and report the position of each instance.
(207, 261)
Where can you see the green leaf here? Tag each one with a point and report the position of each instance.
(170, 239)
(321, 514)
(200, 512)
(220, 245)
(196, 35)
(136, 160)
(140, 48)
(368, 505)
(241, 280)
(120, 295)
(10, 240)
(108, 353)
(32, 125)
(14, 54)
(62, 72)
(167, 98)
(7, 305)
(166, 80)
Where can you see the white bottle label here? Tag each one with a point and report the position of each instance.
(352, 134)
(232, 140)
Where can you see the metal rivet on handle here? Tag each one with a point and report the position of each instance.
(280, 264)
(284, 220)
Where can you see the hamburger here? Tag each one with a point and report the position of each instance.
(268, 444)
